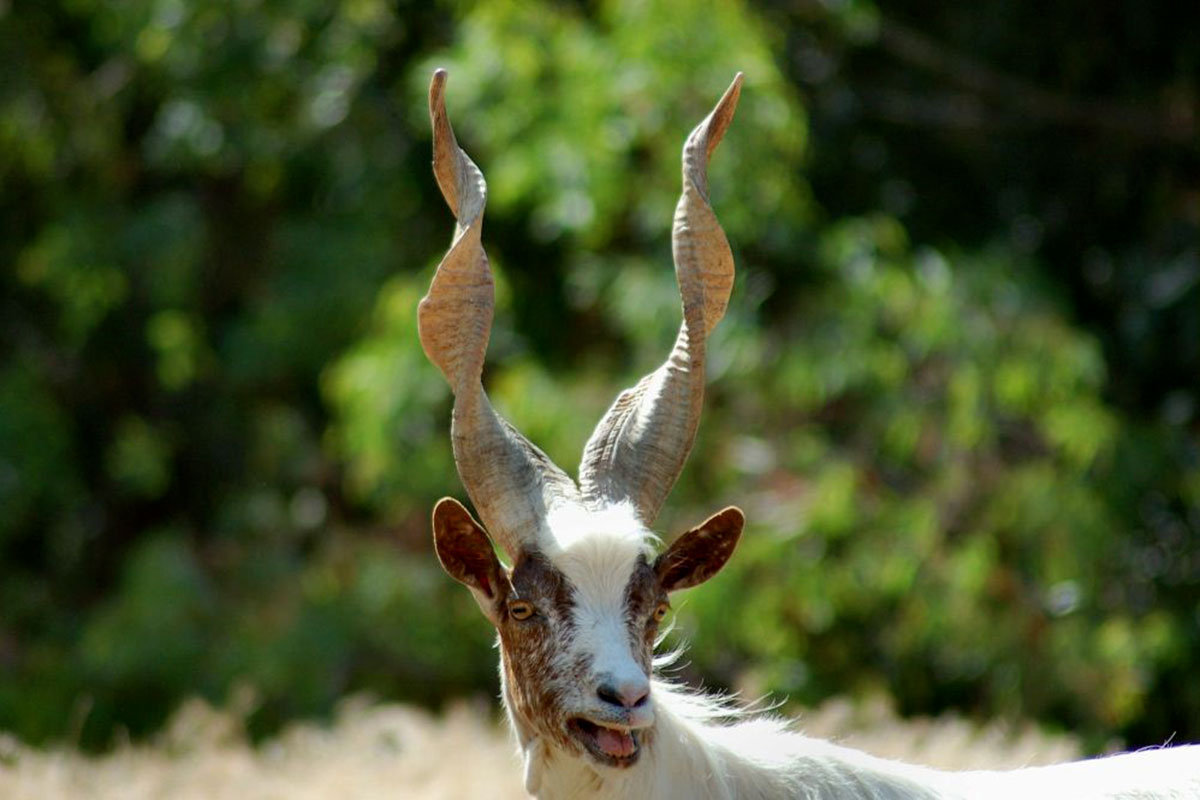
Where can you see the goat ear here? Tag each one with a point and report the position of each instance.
(700, 553)
(466, 554)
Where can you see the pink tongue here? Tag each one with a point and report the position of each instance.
(615, 743)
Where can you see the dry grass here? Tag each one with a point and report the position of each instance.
(948, 741)
(390, 751)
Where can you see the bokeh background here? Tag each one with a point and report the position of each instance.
(956, 391)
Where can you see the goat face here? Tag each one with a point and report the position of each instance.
(578, 622)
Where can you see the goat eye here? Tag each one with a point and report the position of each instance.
(519, 609)
(661, 612)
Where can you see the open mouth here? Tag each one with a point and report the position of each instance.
(615, 747)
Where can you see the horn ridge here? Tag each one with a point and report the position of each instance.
(512, 484)
(640, 445)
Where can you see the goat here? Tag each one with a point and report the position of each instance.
(578, 611)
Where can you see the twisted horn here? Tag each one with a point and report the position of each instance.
(638, 450)
(513, 484)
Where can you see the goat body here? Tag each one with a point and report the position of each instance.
(692, 758)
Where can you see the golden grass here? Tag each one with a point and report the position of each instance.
(392, 751)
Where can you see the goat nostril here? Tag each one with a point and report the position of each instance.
(609, 695)
(625, 696)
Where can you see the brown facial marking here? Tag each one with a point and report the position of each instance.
(535, 579)
(536, 682)
(643, 594)
(701, 552)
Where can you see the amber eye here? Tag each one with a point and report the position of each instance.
(519, 609)
(661, 612)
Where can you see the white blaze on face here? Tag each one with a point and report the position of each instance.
(601, 577)
(599, 561)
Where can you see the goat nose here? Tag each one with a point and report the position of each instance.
(630, 694)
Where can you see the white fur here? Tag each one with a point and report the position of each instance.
(696, 753)
(694, 758)
(614, 527)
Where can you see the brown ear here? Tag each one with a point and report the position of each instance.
(466, 554)
(700, 553)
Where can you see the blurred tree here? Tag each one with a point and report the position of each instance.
(1066, 133)
(198, 203)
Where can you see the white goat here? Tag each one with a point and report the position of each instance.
(578, 612)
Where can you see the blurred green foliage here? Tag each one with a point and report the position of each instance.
(220, 440)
